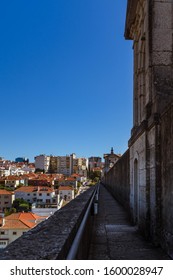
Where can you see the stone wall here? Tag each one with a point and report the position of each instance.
(167, 179)
(138, 203)
(117, 180)
(53, 238)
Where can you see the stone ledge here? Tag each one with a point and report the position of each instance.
(52, 238)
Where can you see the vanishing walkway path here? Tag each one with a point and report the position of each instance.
(113, 236)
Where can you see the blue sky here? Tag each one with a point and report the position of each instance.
(65, 78)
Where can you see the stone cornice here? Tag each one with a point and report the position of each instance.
(130, 17)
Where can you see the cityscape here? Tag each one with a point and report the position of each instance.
(31, 192)
(69, 84)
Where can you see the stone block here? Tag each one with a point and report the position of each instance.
(162, 58)
(162, 40)
(162, 18)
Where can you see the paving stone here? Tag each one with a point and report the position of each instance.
(114, 238)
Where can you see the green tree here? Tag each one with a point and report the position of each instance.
(10, 211)
(21, 205)
(95, 175)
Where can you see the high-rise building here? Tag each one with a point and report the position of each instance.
(94, 162)
(64, 165)
(42, 162)
(53, 164)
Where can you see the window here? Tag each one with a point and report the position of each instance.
(2, 232)
(2, 243)
(28, 194)
(14, 232)
(48, 194)
(40, 194)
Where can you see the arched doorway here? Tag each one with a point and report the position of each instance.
(136, 192)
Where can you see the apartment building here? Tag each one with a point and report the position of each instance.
(36, 194)
(6, 200)
(42, 162)
(69, 181)
(53, 164)
(80, 166)
(4, 171)
(64, 165)
(94, 162)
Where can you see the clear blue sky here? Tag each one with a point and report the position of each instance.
(65, 78)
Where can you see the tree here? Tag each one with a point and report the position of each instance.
(9, 212)
(95, 175)
(21, 205)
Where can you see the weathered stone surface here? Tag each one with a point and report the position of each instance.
(150, 25)
(117, 180)
(167, 179)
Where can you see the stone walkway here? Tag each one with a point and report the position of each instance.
(114, 238)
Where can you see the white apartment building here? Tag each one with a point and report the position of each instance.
(65, 165)
(42, 162)
(34, 194)
(66, 193)
(4, 171)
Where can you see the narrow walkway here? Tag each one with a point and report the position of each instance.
(114, 238)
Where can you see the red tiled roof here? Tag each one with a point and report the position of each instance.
(34, 189)
(11, 177)
(21, 220)
(4, 192)
(64, 188)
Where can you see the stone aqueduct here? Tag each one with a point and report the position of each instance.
(147, 189)
(142, 179)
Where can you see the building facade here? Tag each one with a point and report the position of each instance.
(149, 23)
(37, 194)
(42, 162)
(110, 160)
(6, 199)
(66, 193)
(64, 165)
(94, 162)
(15, 225)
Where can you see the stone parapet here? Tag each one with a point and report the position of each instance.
(52, 238)
(117, 180)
